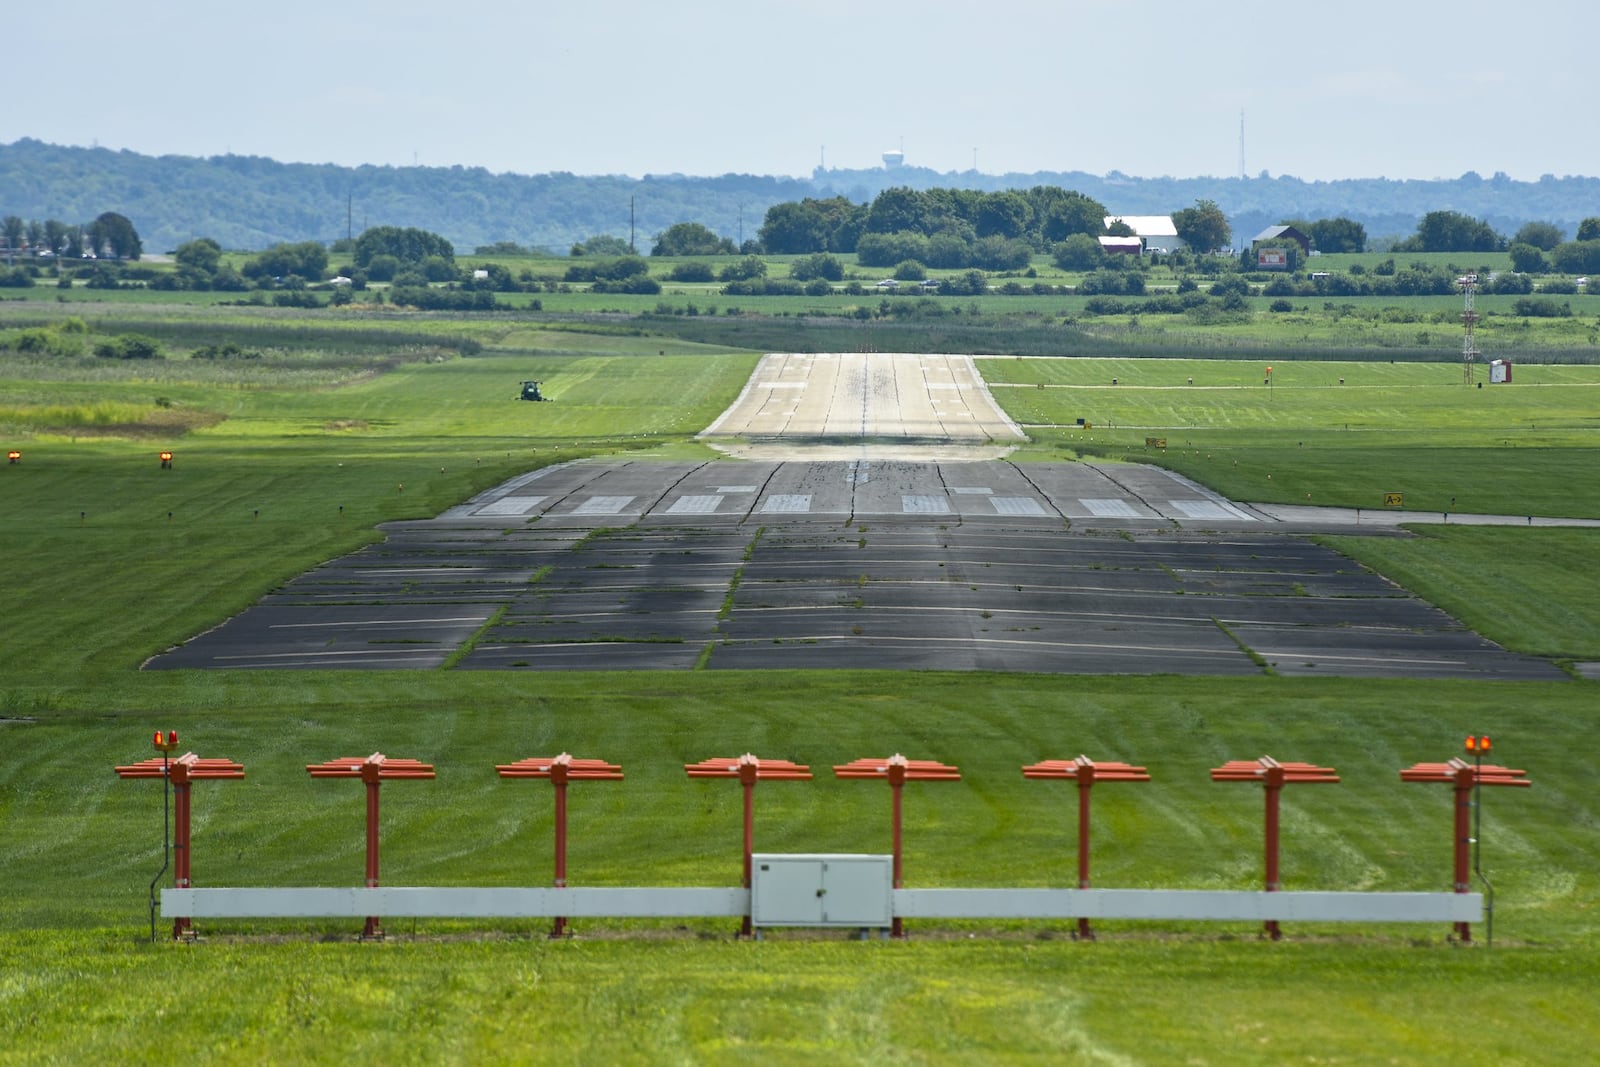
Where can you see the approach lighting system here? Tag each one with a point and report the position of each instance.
(167, 742)
(14, 456)
(166, 461)
(1479, 744)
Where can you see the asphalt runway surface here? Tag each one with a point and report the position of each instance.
(871, 523)
(821, 564)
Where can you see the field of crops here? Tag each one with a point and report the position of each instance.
(295, 458)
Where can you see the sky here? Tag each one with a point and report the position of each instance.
(1326, 90)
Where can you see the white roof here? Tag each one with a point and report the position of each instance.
(1147, 225)
(1119, 242)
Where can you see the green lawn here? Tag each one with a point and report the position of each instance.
(98, 577)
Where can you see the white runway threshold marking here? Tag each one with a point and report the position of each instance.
(602, 505)
(695, 505)
(511, 505)
(1209, 509)
(1114, 508)
(1017, 505)
(922, 504)
(788, 503)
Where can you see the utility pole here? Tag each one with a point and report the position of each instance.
(631, 247)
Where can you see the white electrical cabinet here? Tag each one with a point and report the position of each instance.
(821, 890)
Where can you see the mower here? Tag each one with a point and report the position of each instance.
(530, 391)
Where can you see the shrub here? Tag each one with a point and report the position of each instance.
(691, 272)
(820, 265)
(1280, 306)
(887, 249)
(129, 346)
(744, 270)
(1541, 308)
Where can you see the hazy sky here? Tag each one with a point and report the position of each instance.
(1331, 89)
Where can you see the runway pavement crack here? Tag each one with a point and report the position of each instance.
(1049, 501)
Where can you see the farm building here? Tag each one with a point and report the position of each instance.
(1155, 232)
(1279, 235)
(1121, 246)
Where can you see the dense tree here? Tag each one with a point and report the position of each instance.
(55, 235)
(1577, 257)
(1003, 215)
(1001, 253)
(202, 254)
(794, 229)
(745, 269)
(887, 249)
(113, 233)
(1072, 213)
(1078, 252)
(1336, 235)
(14, 229)
(691, 239)
(1542, 235)
(1526, 258)
(304, 259)
(1451, 231)
(1589, 229)
(406, 244)
(896, 210)
(602, 244)
(818, 265)
(1204, 228)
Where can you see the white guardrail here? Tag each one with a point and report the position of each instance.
(695, 902)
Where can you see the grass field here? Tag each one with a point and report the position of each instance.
(298, 461)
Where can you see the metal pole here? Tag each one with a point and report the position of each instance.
(180, 870)
(1085, 778)
(747, 778)
(1477, 845)
(369, 774)
(1463, 832)
(558, 778)
(897, 781)
(1274, 787)
(166, 841)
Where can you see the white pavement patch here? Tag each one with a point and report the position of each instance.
(878, 396)
(511, 505)
(971, 490)
(1109, 509)
(1209, 509)
(1017, 505)
(695, 505)
(603, 505)
(922, 504)
(787, 503)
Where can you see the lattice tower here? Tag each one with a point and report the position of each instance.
(1469, 318)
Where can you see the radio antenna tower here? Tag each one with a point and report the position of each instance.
(1241, 144)
(1469, 318)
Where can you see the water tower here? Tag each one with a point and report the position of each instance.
(893, 158)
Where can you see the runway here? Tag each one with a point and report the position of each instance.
(869, 537)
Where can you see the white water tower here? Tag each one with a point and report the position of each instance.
(893, 158)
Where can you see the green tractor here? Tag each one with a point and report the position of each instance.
(530, 391)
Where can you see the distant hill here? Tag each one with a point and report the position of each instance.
(249, 202)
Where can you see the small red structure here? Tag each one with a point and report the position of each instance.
(1274, 776)
(373, 770)
(898, 770)
(180, 773)
(1466, 778)
(560, 770)
(749, 770)
(1086, 772)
